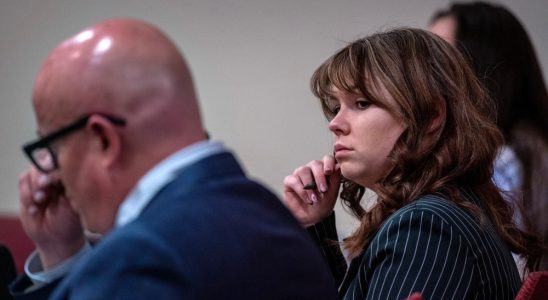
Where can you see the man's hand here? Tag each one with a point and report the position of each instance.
(48, 218)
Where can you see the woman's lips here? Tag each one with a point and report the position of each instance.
(340, 150)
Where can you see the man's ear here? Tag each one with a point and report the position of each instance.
(107, 135)
(439, 120)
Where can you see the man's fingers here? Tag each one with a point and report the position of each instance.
(25, 189)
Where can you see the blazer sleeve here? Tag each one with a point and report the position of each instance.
(417, 251)
(145, 268)
(325, 236)
(19, 286)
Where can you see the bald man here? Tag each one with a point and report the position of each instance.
(122, 153)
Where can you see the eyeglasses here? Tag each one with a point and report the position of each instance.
(42, 155)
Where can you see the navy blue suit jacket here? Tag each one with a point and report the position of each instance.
(210, 234)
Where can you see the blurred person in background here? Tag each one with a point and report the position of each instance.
(504, 59)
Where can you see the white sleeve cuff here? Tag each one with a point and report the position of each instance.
(39, 277)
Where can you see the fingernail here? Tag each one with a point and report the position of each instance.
(32, 210)
(328, 171)
(39, 196)
(314, 199)
(43, 180)
(323, 188)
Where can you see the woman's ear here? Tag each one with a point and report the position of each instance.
(439, 120)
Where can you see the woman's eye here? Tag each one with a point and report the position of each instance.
(335, 109)
(362, 104)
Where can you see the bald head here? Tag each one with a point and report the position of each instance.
(119, 66)
(122, 68)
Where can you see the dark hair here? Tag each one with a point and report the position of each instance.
(505, 61)
(508, 68)
(419, 69)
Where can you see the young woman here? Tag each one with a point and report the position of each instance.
(412, 123)
(504, 60)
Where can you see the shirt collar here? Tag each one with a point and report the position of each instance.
(160, 175)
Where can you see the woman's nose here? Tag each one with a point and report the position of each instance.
(339, 125)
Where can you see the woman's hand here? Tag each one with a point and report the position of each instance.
(311, 191)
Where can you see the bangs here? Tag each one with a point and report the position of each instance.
(348, 71)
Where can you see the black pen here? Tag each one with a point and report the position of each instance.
(312, 185)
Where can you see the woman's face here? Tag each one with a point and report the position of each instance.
(365, 135)
(446, 28)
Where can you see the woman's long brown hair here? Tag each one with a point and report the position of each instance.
(423, 73)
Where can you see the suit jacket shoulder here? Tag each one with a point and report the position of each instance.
(438, 248)
(211, 233)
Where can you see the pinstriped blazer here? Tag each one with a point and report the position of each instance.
(430, 245)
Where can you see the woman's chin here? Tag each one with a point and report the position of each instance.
(356, 177)
(350, 174)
